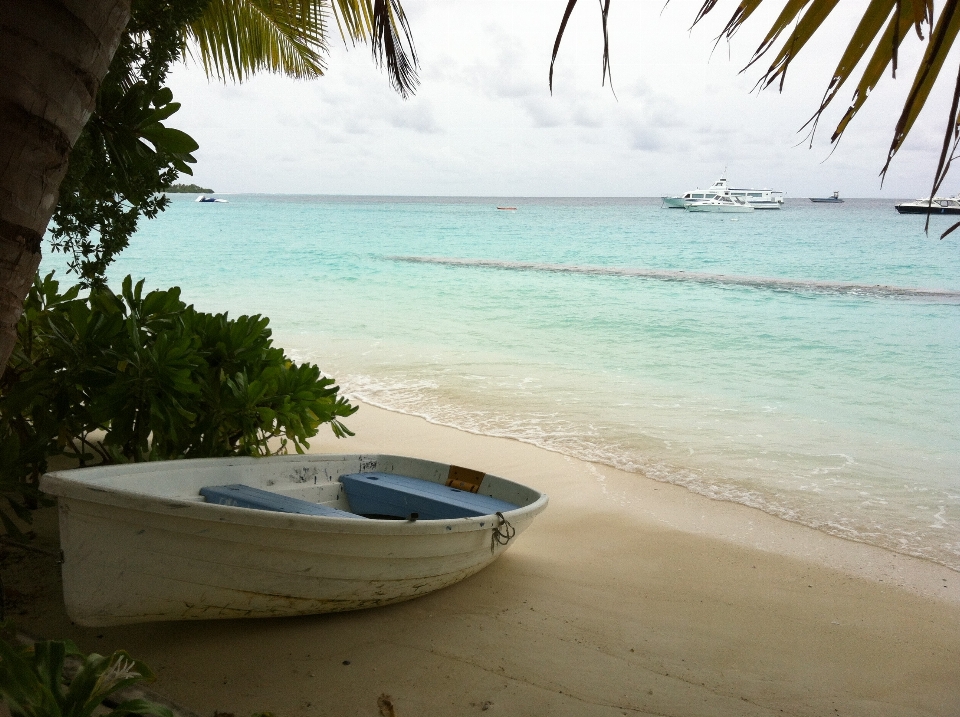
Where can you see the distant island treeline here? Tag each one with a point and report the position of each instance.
(189, 189)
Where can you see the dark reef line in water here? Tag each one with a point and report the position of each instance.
(755, 282)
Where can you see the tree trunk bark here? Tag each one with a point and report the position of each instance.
(53, 56)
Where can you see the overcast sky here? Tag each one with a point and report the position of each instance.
(483, 121)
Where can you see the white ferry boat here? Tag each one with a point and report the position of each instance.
(756, 198)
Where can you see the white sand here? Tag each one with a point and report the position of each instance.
(625, 597)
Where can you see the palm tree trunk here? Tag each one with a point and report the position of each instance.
(53, 56)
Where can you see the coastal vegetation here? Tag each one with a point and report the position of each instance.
(157, 378)
(85, 110)
(33, 680)
(134, 376)
(178, 188)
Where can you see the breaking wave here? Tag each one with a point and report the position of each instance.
(885, 291)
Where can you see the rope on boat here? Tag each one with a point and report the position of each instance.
(501, 537)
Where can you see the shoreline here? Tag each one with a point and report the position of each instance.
(878, 563)
(625, 597)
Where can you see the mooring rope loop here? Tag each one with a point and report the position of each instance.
(502, 533)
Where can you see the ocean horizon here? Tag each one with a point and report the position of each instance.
(800, 361)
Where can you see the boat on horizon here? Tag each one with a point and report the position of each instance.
(206, 200)
(936, 205)
(277, 536)
(756, 198)
(835, 199)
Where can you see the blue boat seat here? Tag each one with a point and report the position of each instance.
(243, 496)
(389, 495)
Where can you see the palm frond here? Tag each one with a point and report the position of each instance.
(234, 39)
(884, 55)
(884, 25)
(392, 43)
(811, 21)
(604, 16)
(941, 41)
(948, 153)
(556, 43)
(789, 13)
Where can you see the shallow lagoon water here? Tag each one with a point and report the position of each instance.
(772, 359)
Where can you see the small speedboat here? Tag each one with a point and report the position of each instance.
(719, 203)
(937, 205)
(207, 200)
(283, 535)
(507, 209)
(835, 199)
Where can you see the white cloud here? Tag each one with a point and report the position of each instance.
(484, 122)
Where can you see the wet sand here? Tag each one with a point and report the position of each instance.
(626, 597)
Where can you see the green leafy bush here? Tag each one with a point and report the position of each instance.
(33, 681)
(130, 377)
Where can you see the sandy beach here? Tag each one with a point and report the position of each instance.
(626, 597)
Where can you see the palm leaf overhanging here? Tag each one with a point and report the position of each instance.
(234, 39)
(884, 26)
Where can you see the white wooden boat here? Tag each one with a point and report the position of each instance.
(141, 544)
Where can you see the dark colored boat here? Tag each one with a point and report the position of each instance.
(937, 205)
(835, 199)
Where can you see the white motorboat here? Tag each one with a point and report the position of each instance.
(756, 198)
(287, 535)
(719, 203)
(937, 205)
(211, 200)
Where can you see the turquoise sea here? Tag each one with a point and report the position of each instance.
(772, 359)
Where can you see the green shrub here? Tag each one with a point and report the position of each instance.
(33, 683)
(130, 377)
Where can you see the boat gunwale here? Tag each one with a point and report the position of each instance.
(66, 484)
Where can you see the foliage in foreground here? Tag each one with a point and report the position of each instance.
(33, 682)
(131, 377)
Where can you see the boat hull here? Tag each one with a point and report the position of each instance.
(719, 208)
(130, 557)
(924, 209)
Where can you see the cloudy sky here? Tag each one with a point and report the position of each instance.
(483, 121)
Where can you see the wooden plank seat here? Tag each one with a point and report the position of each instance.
(243, 496)
(385, 495)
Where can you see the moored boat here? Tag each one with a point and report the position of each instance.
(719, 203)
(756, 198)
(287, 535)
(937, 205)
(210, 200)
(835, 199)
